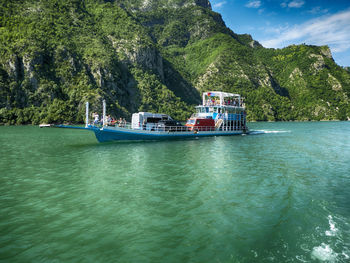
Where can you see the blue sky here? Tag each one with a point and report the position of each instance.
(277, 24)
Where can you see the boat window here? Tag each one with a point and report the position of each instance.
(191, 121)
(197, 122)
(153, 120)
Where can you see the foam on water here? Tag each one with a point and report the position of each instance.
(333, 230)
(266, 132)
(324, 253)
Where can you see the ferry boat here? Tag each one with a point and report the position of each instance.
(221, 114)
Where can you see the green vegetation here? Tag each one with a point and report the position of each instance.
(152, 56)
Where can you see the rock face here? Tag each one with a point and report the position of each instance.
(203, 3)
(29, 68)
(319, 64)
(15, 68)
(134, 52)
(153, 55)
(326, 52)
(150, 5)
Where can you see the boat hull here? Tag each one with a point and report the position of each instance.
(107, 134)
(120, 134)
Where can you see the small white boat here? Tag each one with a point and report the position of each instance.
(44, 125)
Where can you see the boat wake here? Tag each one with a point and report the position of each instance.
(257, 132)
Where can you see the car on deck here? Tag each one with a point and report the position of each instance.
(201, 124)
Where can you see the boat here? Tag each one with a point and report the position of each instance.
(45, 125)
(221, 114)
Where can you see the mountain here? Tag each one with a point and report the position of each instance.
(148, 55)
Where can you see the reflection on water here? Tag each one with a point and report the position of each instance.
(281, 196)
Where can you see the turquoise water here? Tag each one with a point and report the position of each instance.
(280, 196)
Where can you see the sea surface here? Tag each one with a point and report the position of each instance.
(279, 195)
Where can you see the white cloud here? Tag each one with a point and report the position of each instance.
(292, 4)
(220, 4)
(253, 4)
(317, 10)
(275, 30)
(331, 30)
(296, 4)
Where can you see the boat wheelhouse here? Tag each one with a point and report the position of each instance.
(221, 114)
(226, 109)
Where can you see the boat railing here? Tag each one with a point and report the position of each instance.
(126, 125)
(151, 127)
(231, 103)
(163, 128)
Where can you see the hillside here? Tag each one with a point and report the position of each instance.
(147, 55)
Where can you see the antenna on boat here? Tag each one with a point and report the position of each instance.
(86, 114)
(104, 113)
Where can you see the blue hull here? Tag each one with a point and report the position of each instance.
(122, 134)
(106, 135)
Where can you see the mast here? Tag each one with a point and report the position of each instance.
(104, 113)
(86, 114)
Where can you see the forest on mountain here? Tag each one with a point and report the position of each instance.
(156, 56)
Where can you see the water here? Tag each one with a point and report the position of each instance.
(282, 195)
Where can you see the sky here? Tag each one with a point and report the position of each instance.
(280, 23)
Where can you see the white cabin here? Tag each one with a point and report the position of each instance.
(147, 120)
